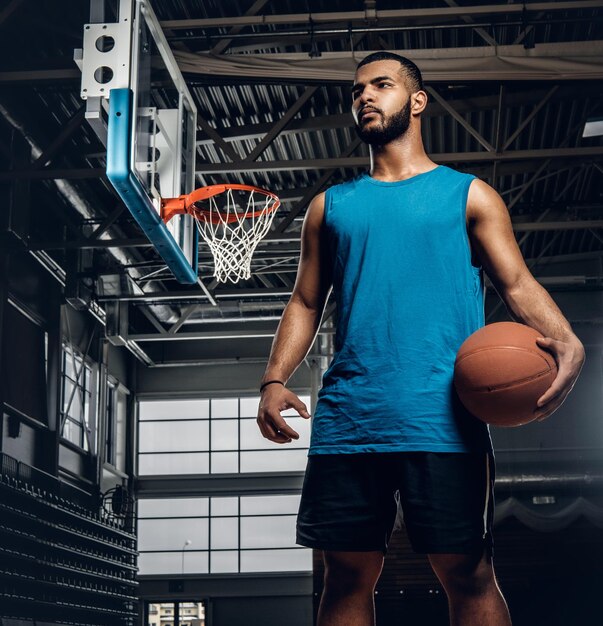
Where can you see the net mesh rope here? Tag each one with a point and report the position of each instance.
(232, 224)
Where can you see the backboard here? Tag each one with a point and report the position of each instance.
(141, 108)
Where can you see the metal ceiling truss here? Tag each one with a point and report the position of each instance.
(547, 61)
(587, 152)
(439, 14)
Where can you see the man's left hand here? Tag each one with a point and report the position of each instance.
(570, 358)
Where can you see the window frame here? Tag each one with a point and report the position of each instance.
(87, 368)
(208, 456)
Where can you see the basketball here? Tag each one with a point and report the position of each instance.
(500, 372)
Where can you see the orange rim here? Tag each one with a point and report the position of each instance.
(186, 203)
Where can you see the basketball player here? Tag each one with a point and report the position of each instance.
(404, 247)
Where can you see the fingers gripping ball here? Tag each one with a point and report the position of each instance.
(500, 372)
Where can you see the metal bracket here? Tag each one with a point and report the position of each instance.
(106, 54)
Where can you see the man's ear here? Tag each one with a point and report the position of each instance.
(418, 102)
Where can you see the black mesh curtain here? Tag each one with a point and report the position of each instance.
(24, 371)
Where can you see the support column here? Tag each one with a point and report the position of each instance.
(50, 461)
(3, 305)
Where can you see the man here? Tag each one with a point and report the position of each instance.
(404, 248)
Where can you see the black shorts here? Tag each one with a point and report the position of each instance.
(353, 502)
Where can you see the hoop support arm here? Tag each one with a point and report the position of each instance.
(171, 207)
(182, 204)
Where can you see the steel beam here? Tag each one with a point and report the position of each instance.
(204, 335)
(531, 116)
(154, 321)
(528, 184)
(255, 131)
(83, 244)
(215, 334)
(50, 174)
(36, 76)
(215, 136)
(460, 119)
(363, 161)
(564, 61)
(72, 125)
(569, 225)
(183, 296)
(168, 486)
(469, 20)
(310, 193)
(352, 17)
(498, 130)
(546, 62)
(345, 120)
(223, 44)
(184, 316)
(569, 135)
(538, 166)
(282, 122)
(107, 222)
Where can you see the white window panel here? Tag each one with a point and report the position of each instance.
(249, 406)
(195, 562)
(173, 507)
(268, 532)
(172, 534)
(68, 364)
(72, 432)
(224, 462)
(224, 407)
(292, 560)
(120, 431)
(173, 409)
(225, 434)
(266, 505)
(173, 436)
(278, 460)
(224, 562)
(171, 563)
(67, 391)
(72, 401)
(75, 409)
(86, 408)
(186, 463)
(224, 533)
(224, 506)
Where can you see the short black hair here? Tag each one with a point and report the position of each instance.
(409, 69)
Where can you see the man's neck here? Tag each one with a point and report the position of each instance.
(400, 159)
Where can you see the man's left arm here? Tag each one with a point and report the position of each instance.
(494, 245)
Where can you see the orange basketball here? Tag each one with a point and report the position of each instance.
(500, 372)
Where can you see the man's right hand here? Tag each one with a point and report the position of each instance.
(276, 398)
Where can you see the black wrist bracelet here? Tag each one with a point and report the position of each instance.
(269, 382)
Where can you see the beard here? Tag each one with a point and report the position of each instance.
(390, 129)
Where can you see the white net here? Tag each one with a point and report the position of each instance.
(232, 224)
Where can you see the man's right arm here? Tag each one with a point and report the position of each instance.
(298, 327)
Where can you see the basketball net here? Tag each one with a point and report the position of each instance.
(232, 229)
(232, 219)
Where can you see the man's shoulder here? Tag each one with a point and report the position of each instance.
(344, 188)
(455, 174)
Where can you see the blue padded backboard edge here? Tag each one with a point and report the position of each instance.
(131, 191)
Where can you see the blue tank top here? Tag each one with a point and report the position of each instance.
(407, 297)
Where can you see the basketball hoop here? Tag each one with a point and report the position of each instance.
(232, 219)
